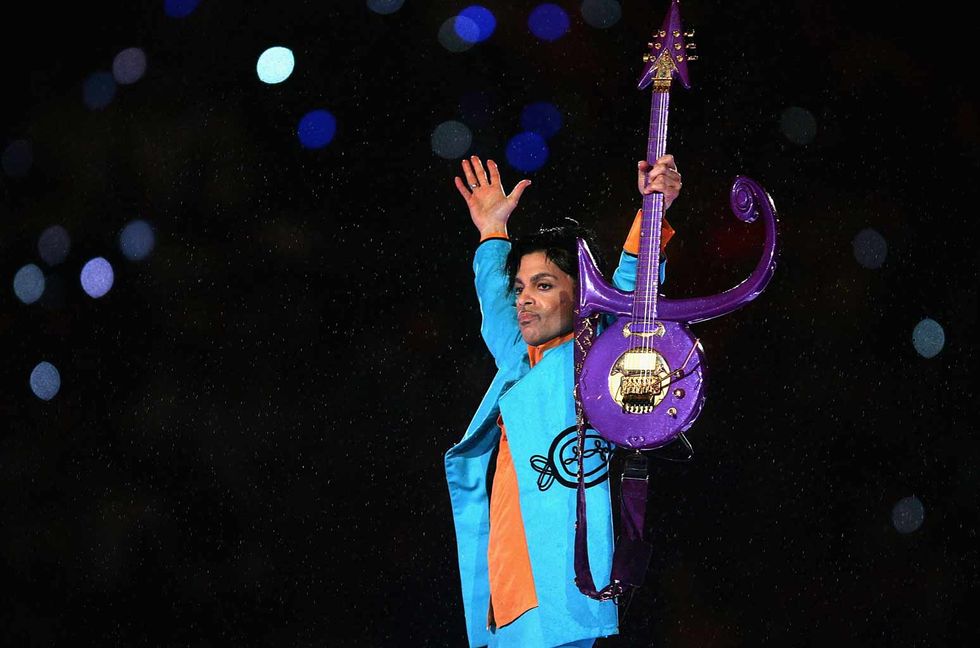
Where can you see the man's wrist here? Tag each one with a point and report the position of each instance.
(493, 232)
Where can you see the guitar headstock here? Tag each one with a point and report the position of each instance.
(668, 55)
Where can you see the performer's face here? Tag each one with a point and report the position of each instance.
(545, 306)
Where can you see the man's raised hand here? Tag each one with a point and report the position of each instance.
(489, 206)
(661, 177)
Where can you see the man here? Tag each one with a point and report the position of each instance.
(514, 512)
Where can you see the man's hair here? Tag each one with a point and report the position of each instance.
(558, 245)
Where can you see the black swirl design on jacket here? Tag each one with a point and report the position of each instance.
(561, 462)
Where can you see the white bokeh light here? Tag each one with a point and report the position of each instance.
(275, 65)
(451, 140)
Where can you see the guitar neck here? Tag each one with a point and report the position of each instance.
(648, 265)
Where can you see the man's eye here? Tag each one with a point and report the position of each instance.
(544, 286)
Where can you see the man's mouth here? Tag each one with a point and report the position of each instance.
(525, 317)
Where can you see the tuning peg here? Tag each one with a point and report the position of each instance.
(650, 44)
(691, 46)
(677, 34)
(692, 58)
(689, 34)
(647, 58)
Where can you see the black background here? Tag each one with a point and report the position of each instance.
(247, 445)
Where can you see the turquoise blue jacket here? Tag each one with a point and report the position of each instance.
(539, 411)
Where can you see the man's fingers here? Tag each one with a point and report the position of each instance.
(515, 195)
(667, 161)
(470, 176)
(494, 172)
(481, 173)
(662, 183)
(463, 189)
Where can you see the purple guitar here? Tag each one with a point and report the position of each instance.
(640, 383)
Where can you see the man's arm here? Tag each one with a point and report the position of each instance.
(490, 209)
(660, 177)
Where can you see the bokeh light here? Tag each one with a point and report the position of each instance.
(928, 338)
(542, 118)
(98, 90)
(29, 283)
(53, 245)
(451, 140)
(601, 14)
(97, 277)
(45, 381)
(466, 29)
(449, 33)
(548, 22)
(180, 8)
(798, 125)
(527, 152)
(479, 16)
(870, 248)
(275, 65)
(136, 240)
(129, 66)
(18, 158)
(316, 129)
(385, 6)
(908, 514)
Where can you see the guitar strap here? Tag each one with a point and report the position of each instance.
(631, 556)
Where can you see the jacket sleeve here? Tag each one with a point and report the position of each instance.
(499, 319)
(625, 276)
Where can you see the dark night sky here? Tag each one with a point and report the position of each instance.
(247, 445)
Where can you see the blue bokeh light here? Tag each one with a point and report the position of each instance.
(384, 7)
(449, 33)
(482, 18)
(45, 381)
(18, 158)
(129, 66)
(542, 118)
(98, 90)
(548, 22)
(316, 129)
(527, 152)
(97, 277)
(136, 240)
(275, 65)
(29, 283)
(53, 245)
(928, 338)
(466, 28)
(180, 8)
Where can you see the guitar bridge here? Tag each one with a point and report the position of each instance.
(639, 393)
(638, 380)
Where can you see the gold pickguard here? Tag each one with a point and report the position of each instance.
(638, 380)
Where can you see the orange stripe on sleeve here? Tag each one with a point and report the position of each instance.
(632, 244)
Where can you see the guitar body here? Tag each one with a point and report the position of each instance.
(640, 383)
(641, 392)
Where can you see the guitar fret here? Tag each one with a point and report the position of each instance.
(648, 264)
